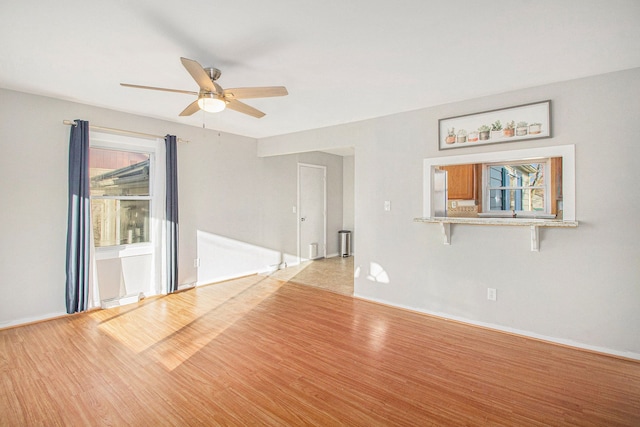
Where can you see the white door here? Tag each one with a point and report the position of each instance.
(311, 211)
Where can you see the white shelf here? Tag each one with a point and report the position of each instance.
(533, 223)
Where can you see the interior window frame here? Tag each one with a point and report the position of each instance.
(566, 152)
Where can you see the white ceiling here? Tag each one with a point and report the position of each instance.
(341, 61)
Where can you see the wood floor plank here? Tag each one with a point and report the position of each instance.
(260, 351)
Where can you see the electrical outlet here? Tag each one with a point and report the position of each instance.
(492, 294)
(387, 205)
(196, 262)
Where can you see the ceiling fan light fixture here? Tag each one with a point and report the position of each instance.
(210, 103)
(212, 97)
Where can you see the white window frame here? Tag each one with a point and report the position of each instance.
(136, 145)
(486, 189)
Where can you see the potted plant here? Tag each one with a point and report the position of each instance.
(462, 136)
(473, 136)
(521, 129)
(496, 129)
(535, 128)
(510, 128)
(451, 136)
(484, 132)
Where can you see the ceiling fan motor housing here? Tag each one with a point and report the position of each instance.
(213, 73)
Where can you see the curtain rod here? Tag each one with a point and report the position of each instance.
(123, 132)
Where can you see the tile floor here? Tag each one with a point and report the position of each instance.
(333, 274)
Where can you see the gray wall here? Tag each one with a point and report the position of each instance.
(582, 288)
(224, 189)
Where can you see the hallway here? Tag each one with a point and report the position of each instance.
(332, 274)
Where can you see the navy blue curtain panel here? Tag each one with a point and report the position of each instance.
(79, 221)
(172, 213)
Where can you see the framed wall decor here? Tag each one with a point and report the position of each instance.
(519, 123)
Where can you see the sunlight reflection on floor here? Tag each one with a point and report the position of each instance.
(197, 316)
(177, 334)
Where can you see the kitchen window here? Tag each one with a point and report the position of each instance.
(517, 187)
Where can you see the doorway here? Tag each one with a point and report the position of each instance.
(312, 211)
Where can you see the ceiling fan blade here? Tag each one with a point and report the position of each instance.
(255, 92)
(191, 108)
(188, 92)
(244, 108)
(199, 74)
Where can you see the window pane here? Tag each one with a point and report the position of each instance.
(527, 175)
(118, 173)
(532, 175)
(525, 199)
(120, 222)
(516, 187)
(535, 200)
(496, 200)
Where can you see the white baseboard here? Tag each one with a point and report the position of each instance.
(338, 255)
(265, 270)
(185, 286)
(34, 319)
(120, 301)
(514, 331)
(230, 277)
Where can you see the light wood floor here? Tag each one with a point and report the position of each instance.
(260, 351)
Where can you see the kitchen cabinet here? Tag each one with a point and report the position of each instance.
(461, 182)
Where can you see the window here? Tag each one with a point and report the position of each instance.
(120, 196)
(517, 187)
(558, 182)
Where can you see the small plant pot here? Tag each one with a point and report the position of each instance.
(535, 129)
(450, 139)
(472, 137)
(484, 135)
(509, 132)
(496, 134)
(521, 131)
(461, 139)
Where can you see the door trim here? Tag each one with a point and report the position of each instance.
(322, 250)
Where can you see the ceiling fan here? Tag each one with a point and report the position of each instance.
(212, 98)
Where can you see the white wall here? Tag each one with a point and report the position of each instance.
(582, 288)
(224, 190)
(348, 191)
(244, 205)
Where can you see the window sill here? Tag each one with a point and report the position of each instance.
(533, 223)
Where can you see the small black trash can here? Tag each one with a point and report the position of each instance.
(345, 243)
